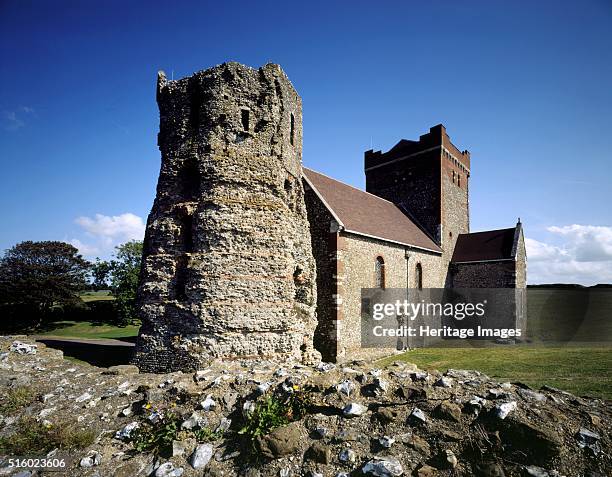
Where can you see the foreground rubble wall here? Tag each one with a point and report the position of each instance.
(228, 270)
(357, 420)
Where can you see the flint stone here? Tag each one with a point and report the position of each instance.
(127, 430)
(94, 458)
(84, 397)
(201, 456)
(504, 409)
(195, 420)
(347, 455)
(444, 382)
(418, 415)
(167, 469)
(20, 347)
(589, 440)
(345, 387)
(383, 467)
(354, 410)
(209, 403)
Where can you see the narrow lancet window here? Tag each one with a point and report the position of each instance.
(380, 272)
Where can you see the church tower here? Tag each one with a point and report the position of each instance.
(428, 180)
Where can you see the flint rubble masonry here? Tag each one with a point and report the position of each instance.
(228, 270)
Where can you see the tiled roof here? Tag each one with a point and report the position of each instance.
(366, 214)
(480, 246)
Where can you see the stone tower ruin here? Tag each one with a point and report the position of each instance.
(228, 270)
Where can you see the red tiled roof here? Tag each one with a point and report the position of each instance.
(363, 213)
(489, 245)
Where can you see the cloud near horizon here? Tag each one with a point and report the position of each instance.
(106, 232)
(583, 255)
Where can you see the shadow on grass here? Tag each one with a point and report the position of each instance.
(128, 339)
(96, 354)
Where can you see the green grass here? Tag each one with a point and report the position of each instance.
(102, 295)
(582, 370)
(16, 399)
(33, 437)
(558, 316)
(86, 329)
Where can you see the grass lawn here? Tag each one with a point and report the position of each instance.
(86, 329)
(582, 370)
(102, 295)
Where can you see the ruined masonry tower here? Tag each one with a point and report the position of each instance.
(228, 270)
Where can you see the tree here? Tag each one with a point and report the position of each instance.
(35, 276)
(125, 273)
(100, 274)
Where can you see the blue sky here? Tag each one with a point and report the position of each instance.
(525, 86)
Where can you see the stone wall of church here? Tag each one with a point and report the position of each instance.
(359, 260)
(324, 251)
(500, 274)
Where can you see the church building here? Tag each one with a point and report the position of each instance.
(410, 228)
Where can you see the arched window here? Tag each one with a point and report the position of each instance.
(380, 272)
(292, 132)
(419, 276)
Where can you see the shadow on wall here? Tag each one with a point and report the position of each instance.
(94, 353)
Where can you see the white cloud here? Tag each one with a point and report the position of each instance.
(14, 120)
(126, 226)
(540, 251)
(588, 243)
(584, 255)
(106, 232)
(85, 249)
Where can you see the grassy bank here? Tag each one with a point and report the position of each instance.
(86, 329)
(582, 370)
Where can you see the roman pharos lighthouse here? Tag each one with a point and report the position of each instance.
(228, 270)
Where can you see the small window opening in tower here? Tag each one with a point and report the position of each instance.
(450, 235)
(454, 176)
(189, 178)
(180, 279)
(459, 180)
(292, 133)
(380, 272)
(187, 232)
(244, 117)
(419, 276)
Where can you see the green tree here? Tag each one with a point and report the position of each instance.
(100, 274)
(125, 272)
(36, 276)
